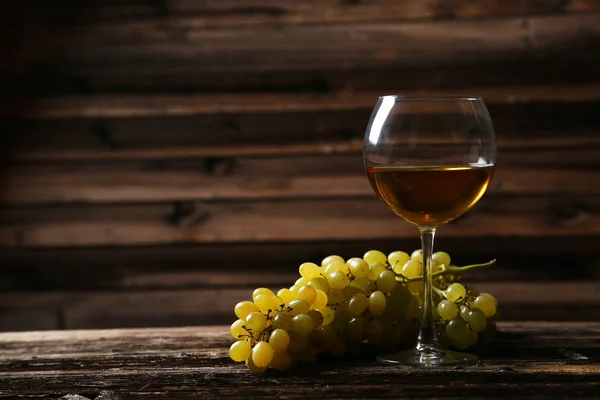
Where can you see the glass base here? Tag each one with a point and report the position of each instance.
(427, 358)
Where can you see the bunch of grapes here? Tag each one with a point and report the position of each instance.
(371, 302)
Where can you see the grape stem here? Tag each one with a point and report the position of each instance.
(444, 270)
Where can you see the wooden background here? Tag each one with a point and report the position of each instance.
(162, 158)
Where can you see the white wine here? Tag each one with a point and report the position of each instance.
(430, 196)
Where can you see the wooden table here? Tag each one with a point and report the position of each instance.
(530, 360)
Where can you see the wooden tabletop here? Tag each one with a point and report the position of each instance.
(530, 359)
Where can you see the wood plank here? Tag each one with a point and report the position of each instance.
(184, 14)
(514, 123)
(129, 106)
(539, 360)
(521, 171)
(293, 220)
(160, 78)
(324, 46)
(73, 140)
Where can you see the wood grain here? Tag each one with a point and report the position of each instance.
(293, 220)
(290, 177)
(214, 13)
(127, 106)
(325, 46)
(537, 360)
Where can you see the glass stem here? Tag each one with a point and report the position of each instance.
(428, 343)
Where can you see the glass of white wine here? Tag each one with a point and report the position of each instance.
(430, 159)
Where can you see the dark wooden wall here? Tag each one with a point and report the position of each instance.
(160, 158)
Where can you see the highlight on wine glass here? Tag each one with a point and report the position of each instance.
(429, 159)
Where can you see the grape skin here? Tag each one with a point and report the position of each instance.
(243, 308)
(262, 354)
(336, 306)
(256, 322)
(279, 339)
(377, 303)
(240, 351)
(456, 292)
(375, 256)
(485, 304)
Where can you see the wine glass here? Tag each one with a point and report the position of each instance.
(430, 159)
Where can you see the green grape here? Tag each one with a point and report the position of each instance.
(375, 269)
(375, 256)
(358, 267)
(374, 331)
(299, 306)
(476, 320)
(328, 315)
(330, 260)
(237, 329)
(303, 323)
(456, 330)
(307, 293)
(286, 295)
(243, 308)
(262, 290)
(337, 266)
(319, 283)
(338, 280)
(397, 259)
(328, 334)
(401, 295)
(486, 295)
(253, 367)
(283, 321)
(294, 289)
(412, 269)
(349, 291)
(464, 310)
(335, 296)
(301, 282)
(486, 304)
(356, 328)
(266, 303)
(455, 292)
(340, 321)
(320, 300)
(298, 342)
(441, 258)
(352, 346)
(411, 310)
(442, 337)
(358, 304)
(377, 302)
(281, 361)
(362, 284)
(262, 354)
(386, 281)
(417, 255)
(256, 322)
(240, 351)
(309, 270)
(317, 317)
(415, 288)
(447, 310)
(467, 340)
(279, 339)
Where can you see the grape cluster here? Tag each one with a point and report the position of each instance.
(371, 302)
